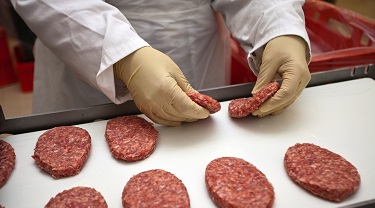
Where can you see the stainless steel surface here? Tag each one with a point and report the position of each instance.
(365, 204)
(107, 111)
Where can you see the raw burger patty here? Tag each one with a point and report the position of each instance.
(234, 182)
(322, 172)
(155, 188)
(62, 151)
(7, 161)
(131, 138)
(78, 197)
(242, 107)
(205, 101)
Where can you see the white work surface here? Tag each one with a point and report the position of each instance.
(339, 117)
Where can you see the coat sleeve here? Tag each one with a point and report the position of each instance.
(89, 36)
(255, 22)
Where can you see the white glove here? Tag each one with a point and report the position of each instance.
(286, 56)
(158, 87)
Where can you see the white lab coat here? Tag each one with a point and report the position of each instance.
(80, 40)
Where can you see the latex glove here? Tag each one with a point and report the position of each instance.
(158, 87)
(286, 56)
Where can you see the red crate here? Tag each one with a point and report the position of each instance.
(26, 75)
(240, 70)
(339, 38)
(7, 73)
(25, 70)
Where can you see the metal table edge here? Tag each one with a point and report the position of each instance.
(39, 122)
(103, 112)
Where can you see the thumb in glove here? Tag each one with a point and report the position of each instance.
(284, 56)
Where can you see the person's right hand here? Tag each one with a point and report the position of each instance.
(158, 87)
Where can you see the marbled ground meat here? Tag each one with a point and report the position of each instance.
(131, 138)
(234, 182)
(153, 189)
(7, 161)
(205, 101)
(78, 197)
(322, 172)
(62, 151)
(243, 107)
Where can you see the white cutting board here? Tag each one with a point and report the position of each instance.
(338, 116)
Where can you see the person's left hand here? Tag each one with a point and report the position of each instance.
(286, 56)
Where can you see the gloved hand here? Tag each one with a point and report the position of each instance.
(158, 87)
(286, 56)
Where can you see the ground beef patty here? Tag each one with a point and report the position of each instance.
(7, 161)
(322, 172)
(155, 188)
(266, 92)
(78, 197)
(234, 182)
(243, 107)
(62, 151)
(205, 101)
(131, 138)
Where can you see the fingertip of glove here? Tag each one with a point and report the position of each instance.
(191, 120)
(204, 113)
(196, 111)
(260, 114)
(170, 123)
(162, 121)
(257, 113)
